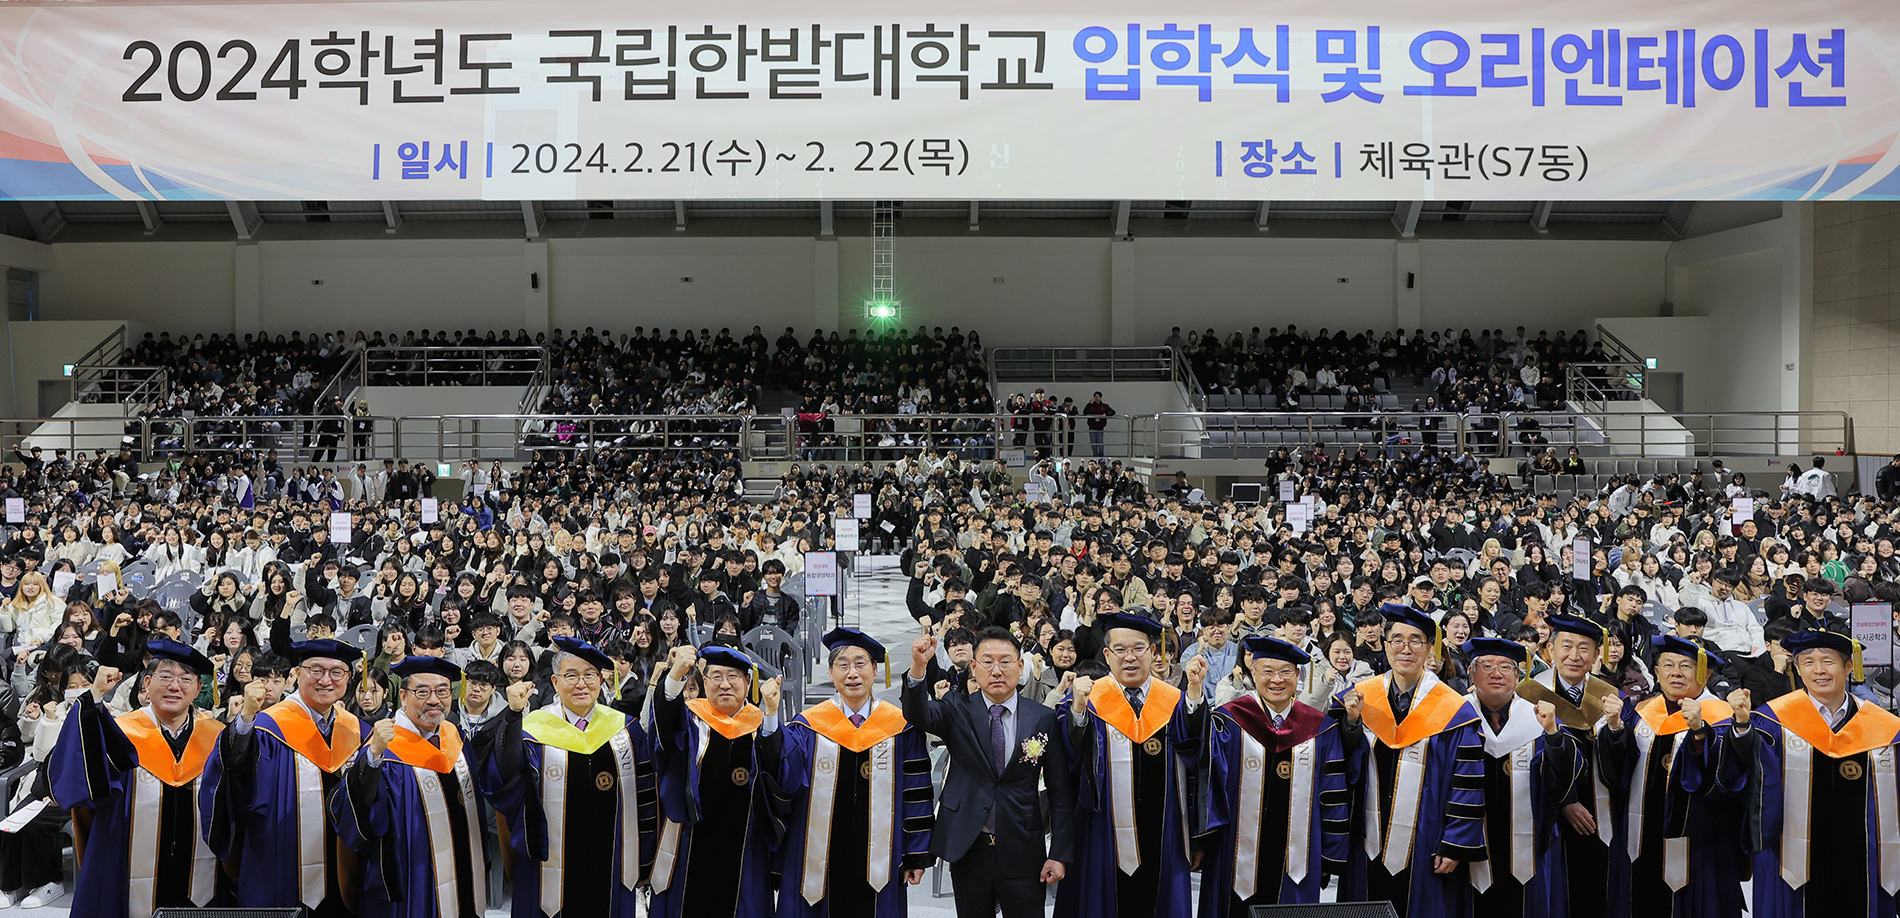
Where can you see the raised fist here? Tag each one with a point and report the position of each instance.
(769, 692)
(518, 695)
(1613, 716)
(1197, 671)
(679, 661)
(381, 735)
(104, 680)
(1692, 713)
(1739, 700)
(1081, 701)
(922, 651)
(1354, 703)
(254, 697)
(1547, 716)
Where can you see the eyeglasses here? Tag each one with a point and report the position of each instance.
(441, 691)
(1410, 643)
(1124, 650)
(590, 677)
(321, 673)
(172, 679)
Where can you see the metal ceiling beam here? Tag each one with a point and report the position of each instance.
(46, 218)
(532, 216)
(1540, 216)
(973, 226)
(148, 214)
(244, 218)
(679, 216)
(1676, 215)
(1260, 218)
(392, 216)
(1121, 216)
(1405, 217)
(825, 219)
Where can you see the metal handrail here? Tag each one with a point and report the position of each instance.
(139, 386)
(1616, 348)
(538, 384)
(1786, 433)
(1141, 364)
(452, 365)
(110, 348)
(1203, 434)
(347, 378)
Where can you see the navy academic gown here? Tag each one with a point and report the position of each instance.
(1528, 775)
(260, 787)
(1847, 772)
(413, 822)
(144, 851)
(717, 827)
(1582, 860)
(1250, 778)
(827, 766)
(1133, 772)
(1686, 858)
(572, 800)
(1447, 816)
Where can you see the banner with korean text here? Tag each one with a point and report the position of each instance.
(1207, 99)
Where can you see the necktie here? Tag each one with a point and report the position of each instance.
(999, 754)
(1134, 699)
(581, 724)
(436, 740)
(1574, 694)
(323, 727)
(1401, 706)
(857, 720)
(1497, 720)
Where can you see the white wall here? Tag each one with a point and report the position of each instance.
(42, 349)
(1229, 284)
(190, 284)
(372, 285)
(1538, 283)
(738, 283)
(1680, 344)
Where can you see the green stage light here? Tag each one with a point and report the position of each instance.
(883, 310)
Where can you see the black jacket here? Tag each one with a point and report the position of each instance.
(972, 787)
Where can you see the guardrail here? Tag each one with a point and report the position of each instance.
(498, 365)
(1256, 435)
(1733, 433)
(1078, 364)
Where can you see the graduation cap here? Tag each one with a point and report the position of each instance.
(1266, 648)
(1496, 647)
(1683, 647)
(418, 665)
(714, 655)
(182, 654)
(1109, 621)
(324, 648)
(852, 637)
(1398, 613)
(585, 651)
(1812, 640)
(1582, 627)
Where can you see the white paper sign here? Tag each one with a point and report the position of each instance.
(1032, 491)
(861, 506)
(1299, 516)
(1873, 628)
(887, 526)
(430, 510)
(63, 583)
(1742, 511)
(821, 573)
(1580, 559)
(107, 583)
(340, 528)
(1287, 490)
(845, 533)
(16, 509)
(480, 489)
(1013, 458)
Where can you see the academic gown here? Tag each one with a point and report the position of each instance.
(263, 795)
(144, 851)
(1582, 860)
(1278, 807)
(1819, 792)
(717, 830)
(1678, 850)
(413, 821)
(873, 781)
(1527, 776)
(573, 800)
(1434, 757)
(1132, 802)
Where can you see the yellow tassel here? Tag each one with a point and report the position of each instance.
(1860, 672)
(887, 674)
(755, 683)
(1701, 666)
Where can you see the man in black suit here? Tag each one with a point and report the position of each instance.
(989, 816)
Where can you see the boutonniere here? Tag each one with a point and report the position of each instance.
(1033, 748)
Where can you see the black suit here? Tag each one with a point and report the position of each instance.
(1003, 869)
